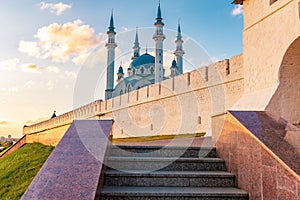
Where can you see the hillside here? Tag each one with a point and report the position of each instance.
(18, 169)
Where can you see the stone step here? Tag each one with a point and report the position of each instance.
(170, 179)
(207, 193)
(155, 151)
(166, 164)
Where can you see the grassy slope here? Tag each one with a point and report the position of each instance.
(18, 169)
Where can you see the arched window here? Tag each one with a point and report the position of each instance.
(121, 92)
(133, 71)
(142, 70)
(152, 70)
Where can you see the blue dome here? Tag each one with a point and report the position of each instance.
(142, 60)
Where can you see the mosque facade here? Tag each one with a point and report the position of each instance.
(144, 69)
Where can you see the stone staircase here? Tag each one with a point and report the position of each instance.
(168, 173)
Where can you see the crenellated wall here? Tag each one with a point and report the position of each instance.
(183, 104)
(85, 112)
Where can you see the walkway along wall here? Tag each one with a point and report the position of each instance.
(183, 104)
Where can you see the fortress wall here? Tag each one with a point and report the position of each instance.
(261, 8)
(285, 101)
(48, 137)
(266, 37)
(183, 104)
(236, 66)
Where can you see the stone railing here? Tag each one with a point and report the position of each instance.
(256, 148)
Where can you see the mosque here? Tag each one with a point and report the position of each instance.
(144, 69)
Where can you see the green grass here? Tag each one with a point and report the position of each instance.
(18, 169)
(161, 137)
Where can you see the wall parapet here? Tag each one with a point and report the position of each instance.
(88, 111)
(227, 73)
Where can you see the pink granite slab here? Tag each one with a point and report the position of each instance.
(272, 131)
(257, 164)
(74, 168)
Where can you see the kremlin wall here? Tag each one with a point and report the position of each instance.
(183, 104)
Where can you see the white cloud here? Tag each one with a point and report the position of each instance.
(29, 84)
(80, 59)
(9, 90)
(53, 69)
(71, 74)
(50, 85)
(29, 47)
(62, 42)
(238, 10)
(31, 68)
(124, 29)
(9, 64)
(3, 123)
(13, 90)
(57, 8)
(14, 63)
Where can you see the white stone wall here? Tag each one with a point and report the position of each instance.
(268, 33)
(183, 104)
(286, 100)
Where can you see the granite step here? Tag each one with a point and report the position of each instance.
(168, 173)
(179, 193)
(170, 179)
(166, 164)
(155, 151)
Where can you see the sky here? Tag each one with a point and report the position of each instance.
(45, 45)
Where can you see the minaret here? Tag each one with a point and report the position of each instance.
(136, 48)
(120, 74)
(110, 45)
(179, 50)
(159, 38)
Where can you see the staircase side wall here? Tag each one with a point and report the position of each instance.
(74, 168)
(258, 170)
